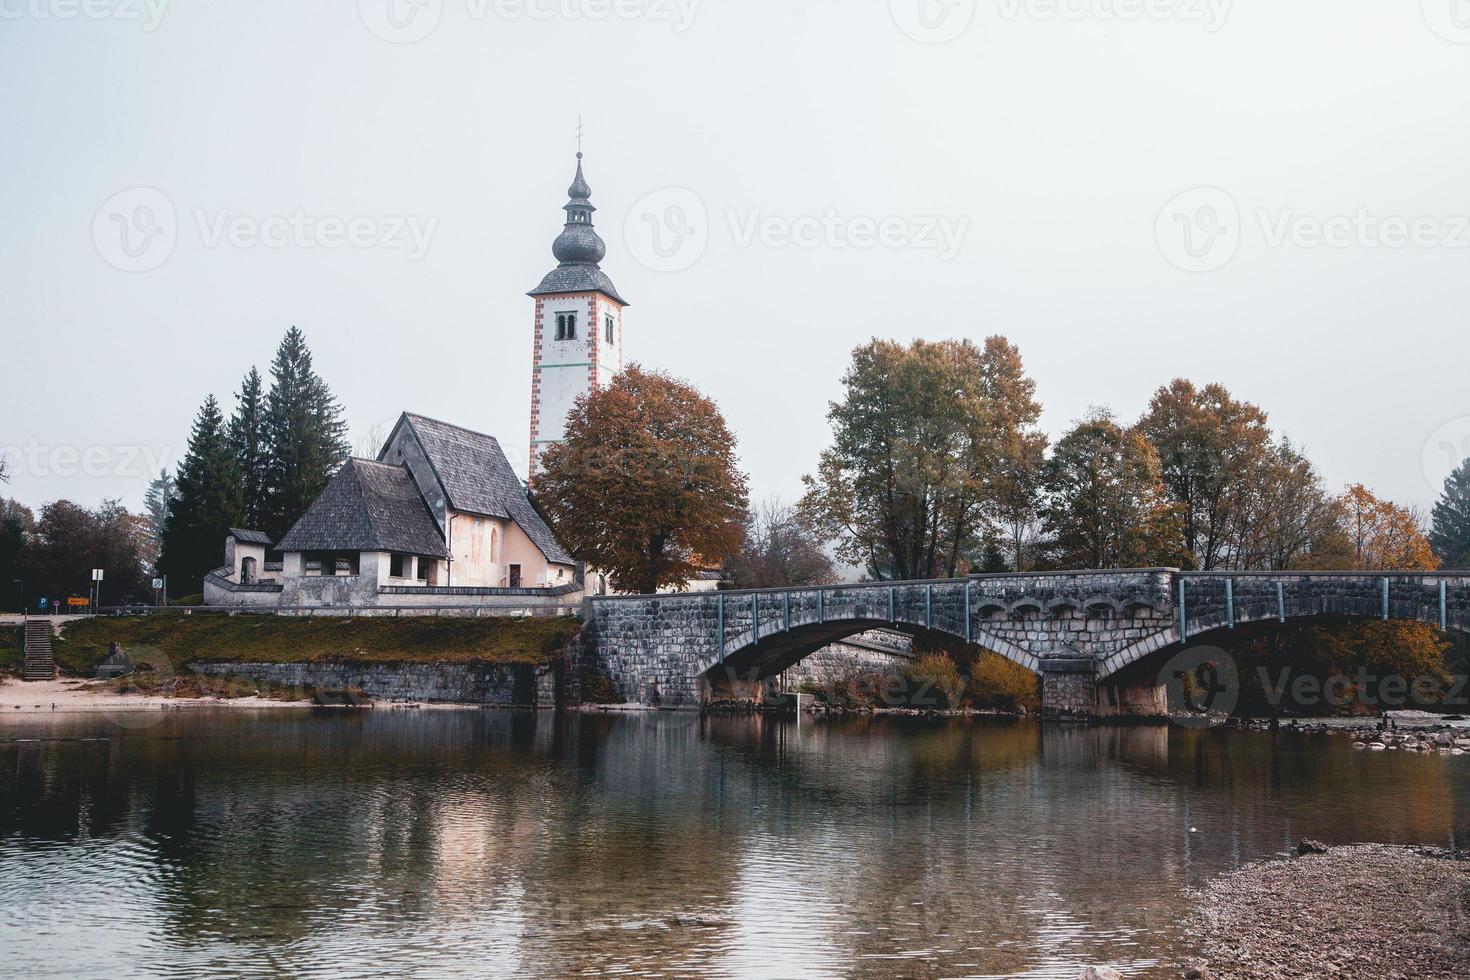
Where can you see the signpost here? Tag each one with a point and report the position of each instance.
(96, 589)
(157, 592)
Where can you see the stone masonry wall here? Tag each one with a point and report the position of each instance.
(653, 650)
(1064, 695)
(489, 684)
(840, 661)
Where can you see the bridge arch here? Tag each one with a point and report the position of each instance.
(749, 659)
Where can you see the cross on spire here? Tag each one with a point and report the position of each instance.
(579, 136)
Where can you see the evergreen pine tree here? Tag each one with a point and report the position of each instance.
(247, 438)
(157, 502)
(305, 436)
(206, 506)
(1450, 534)
(992, 560)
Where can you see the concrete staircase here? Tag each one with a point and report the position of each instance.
(39, 665)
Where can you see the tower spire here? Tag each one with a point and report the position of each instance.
(579, 248)
(579, 243)
(578, 334)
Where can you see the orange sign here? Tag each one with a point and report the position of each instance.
(74, 601)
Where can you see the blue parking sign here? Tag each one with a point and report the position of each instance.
(44, 600)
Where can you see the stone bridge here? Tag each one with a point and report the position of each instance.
(1097, 638)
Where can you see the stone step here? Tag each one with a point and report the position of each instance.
(39, 663)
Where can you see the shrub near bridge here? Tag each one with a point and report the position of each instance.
(938, 680)
(999, 684)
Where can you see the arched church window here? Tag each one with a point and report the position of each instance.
(607, 326)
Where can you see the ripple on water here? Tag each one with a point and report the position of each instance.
(477, 843)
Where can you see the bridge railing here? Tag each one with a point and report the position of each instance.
(794, 589)
(1205, 601)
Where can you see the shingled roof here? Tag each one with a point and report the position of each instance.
(478, 479)
(368, 506)
(577, 277)
(246, 536)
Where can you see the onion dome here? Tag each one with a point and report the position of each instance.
(579, 241)
(578, 248)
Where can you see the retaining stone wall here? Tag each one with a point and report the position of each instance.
(843, 660)
(492, 684)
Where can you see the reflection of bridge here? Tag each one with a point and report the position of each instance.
(1082, 631)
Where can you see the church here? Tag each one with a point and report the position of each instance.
(439, 518)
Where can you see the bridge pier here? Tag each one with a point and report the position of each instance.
(1133, 701)
(1071, 688)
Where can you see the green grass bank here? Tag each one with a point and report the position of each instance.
(290, 639)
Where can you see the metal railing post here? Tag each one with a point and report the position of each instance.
(968, 583)
(1280, 602)
(1444, 609)
(1230, 603)
(720, 623)
(821, 605)
(1385, 597)
(928, 607)
(755, 616)
(891, 614)
(786, 612)
(1183, 616)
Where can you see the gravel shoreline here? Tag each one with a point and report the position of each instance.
(1369, 910)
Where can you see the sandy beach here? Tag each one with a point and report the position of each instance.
(73, 694)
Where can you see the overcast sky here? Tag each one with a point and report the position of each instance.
(1271, 195)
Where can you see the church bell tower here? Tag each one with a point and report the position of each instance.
(578, 343)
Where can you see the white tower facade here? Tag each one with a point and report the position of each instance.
(578, 343)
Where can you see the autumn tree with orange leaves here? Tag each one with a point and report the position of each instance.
(1383, 535)
(644, 486)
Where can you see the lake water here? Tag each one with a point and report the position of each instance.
(473, 843)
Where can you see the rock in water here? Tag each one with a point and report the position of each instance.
(1309, 846)
(1100, 973)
